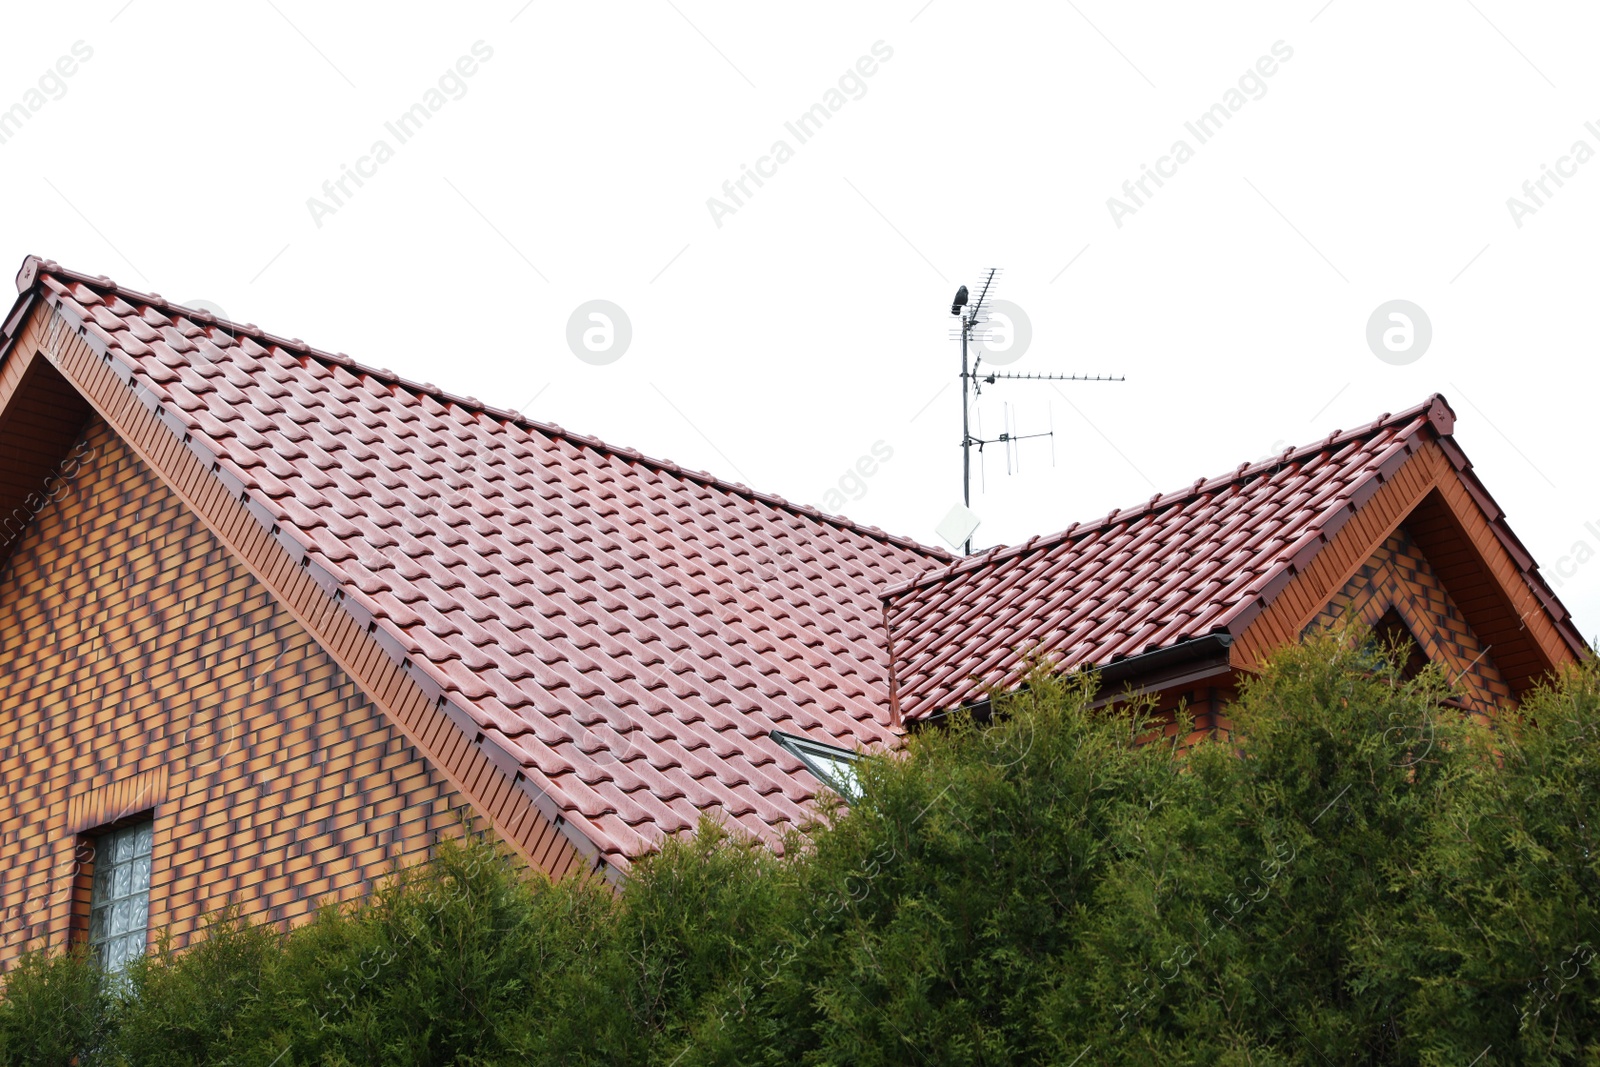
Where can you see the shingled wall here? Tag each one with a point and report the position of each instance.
(144, 670)
(1398, 575)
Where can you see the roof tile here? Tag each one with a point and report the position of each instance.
(574, 596)
(632, 632)
(1178, 566)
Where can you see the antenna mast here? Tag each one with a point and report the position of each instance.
(973, 381)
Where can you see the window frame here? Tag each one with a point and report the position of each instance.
(821, 760)
(92, 852)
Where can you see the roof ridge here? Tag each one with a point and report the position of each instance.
(33, 266)
(1433, 411)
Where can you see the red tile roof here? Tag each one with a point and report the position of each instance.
(1199, 561)
(627, 630)
(630, 632)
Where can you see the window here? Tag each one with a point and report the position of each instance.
(1391, 630)
(833, 766)
(119, 902)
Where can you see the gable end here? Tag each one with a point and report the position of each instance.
(1458, 530)
(446, 734)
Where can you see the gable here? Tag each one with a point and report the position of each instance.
(1398, 583)
(1493, 581)
(143, 669)
(1453, 524)
(47, 343)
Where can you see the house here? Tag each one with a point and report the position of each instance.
(1185, 593)
(272, 621)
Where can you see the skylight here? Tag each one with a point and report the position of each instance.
(834, 767)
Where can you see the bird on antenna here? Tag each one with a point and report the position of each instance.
(960, 301)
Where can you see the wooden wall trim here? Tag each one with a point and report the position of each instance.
(375, 660)
(1307, 593)
(1428, 470)
(1509, 571)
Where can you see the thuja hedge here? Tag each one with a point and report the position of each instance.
(1361, 875)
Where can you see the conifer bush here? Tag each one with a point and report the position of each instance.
(1362, 873)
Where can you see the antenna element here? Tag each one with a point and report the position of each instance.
(973, 326)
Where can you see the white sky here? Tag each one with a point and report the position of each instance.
(782, 346)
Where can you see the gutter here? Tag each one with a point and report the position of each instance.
(1186, 661)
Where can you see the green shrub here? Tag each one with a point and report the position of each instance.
(54, 1008)
(1361, 874)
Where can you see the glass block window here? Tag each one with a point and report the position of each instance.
(119, 903)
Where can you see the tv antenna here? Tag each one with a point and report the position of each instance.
(975, 327)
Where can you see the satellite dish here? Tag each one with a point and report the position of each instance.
(957, 527)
